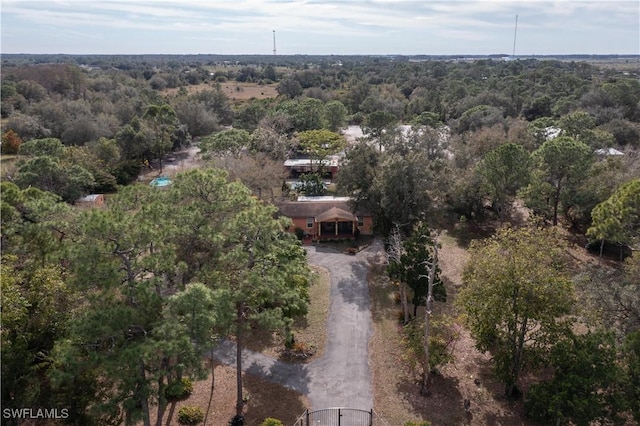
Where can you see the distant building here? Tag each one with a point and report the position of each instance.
(91, 200)
(298, 166)
(608, 152)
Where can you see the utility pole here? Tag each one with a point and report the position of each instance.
(274, 42)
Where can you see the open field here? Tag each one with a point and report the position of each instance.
(236, 91)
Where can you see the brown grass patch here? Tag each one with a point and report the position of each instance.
(236, 91)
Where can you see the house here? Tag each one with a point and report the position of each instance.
(297, 166)
(608, 152)
(91, 200)
(322, 218)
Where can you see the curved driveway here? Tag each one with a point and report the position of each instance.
(341, 377)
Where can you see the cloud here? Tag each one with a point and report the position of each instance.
(321, 22)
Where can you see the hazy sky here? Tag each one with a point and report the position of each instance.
(320, 26)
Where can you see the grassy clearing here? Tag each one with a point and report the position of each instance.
(236, 91)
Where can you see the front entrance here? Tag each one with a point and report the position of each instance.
(328, 229)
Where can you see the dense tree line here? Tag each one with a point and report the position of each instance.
(106, 310)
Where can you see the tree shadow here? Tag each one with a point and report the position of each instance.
(511, 410)
(382, 294)
(354, 289)
(445, 404)
(463, 234)
(267, 397)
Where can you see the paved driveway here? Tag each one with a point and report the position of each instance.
(341, 377)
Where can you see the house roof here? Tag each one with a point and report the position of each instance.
(608, 152)
(335, 213)
(306, 209)
(89, 198)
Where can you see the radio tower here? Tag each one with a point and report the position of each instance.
(515, 32)
(274, 42)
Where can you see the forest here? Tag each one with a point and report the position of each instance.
(105, 310)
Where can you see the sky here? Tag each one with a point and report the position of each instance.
(321, 27)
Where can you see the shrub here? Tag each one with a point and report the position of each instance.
(179, 389)
(418, 423)
(10, 142)
(237, 420)
(190, 415)
(269, 421)
(299, 233)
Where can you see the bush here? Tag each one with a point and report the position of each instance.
(237, 420)
(190, 415)
(299, 233)
(419, 423)
(179, 390)
(269, 421)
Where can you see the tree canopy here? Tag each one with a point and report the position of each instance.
(516, 291)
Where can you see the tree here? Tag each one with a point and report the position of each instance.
(516, 291)
(51, 174)
(376, 123)
(233, 244)
(289, 87)
(586, 384)
(311, 184)
(577, 124)
(320, 143)
(163, 121)
(618, 217)
(199, 120)
(335, 115)
(414, 267)
(125, 330)
(414, 263)
(37, 305)
(249, 116)
(10, 142)
(395, 250)
(226, 143)
(230, 241)
(560, 165)
(258, 171)
(631, 352)
(505, 170)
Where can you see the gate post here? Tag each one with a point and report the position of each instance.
(307, 416)
(371, 417)
(339, 417)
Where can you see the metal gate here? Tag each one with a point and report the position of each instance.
(336, 417)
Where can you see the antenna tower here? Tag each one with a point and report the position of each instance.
(513, 55)
(274, 42)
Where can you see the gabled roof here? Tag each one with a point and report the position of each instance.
(306, 209)
(335, 213)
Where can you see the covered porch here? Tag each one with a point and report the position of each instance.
(336, 223)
